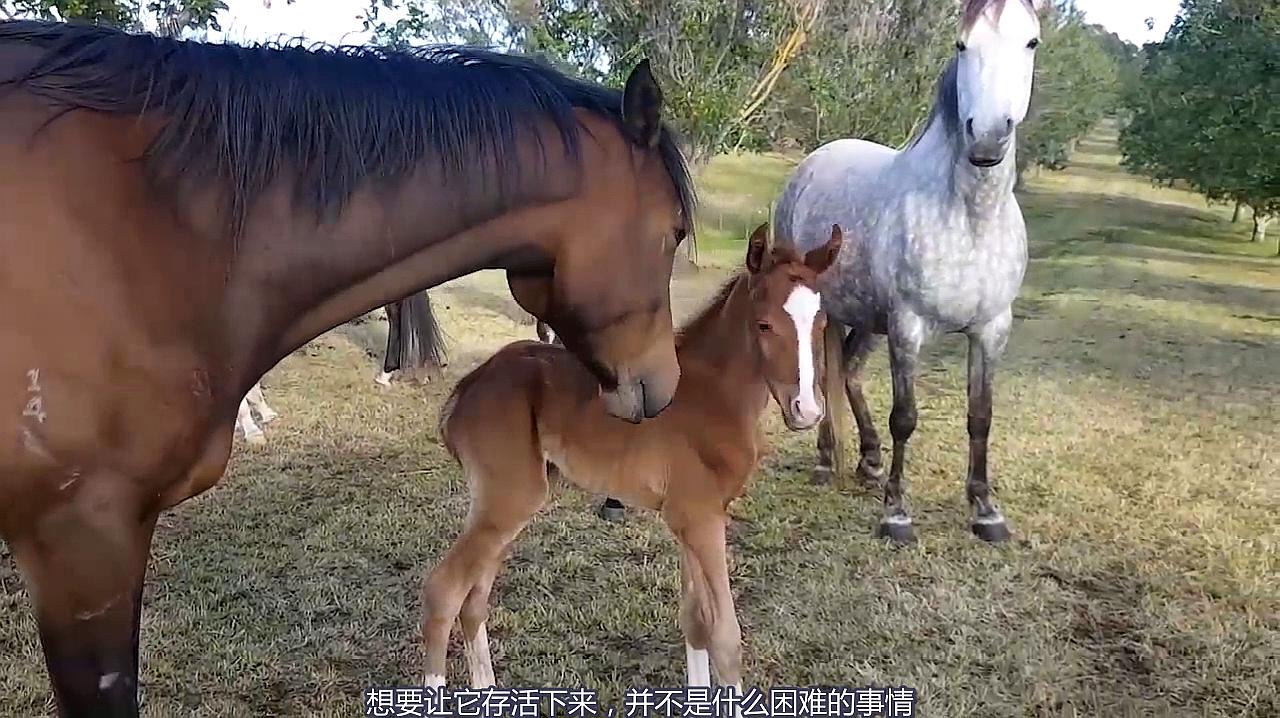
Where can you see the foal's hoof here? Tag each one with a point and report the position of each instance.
(899, 531)
(256, 439)
(991, 531)
(823, 476)
(269, 416)
(612, 510)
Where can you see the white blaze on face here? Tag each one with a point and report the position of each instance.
(802, 306)
(994, 73)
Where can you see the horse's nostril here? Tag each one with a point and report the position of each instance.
(968, 126)
(1008, 124)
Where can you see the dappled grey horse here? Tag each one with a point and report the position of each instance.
(934, 243)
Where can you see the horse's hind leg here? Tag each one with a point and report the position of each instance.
(986, 346)
(84, 565)
(870, 459)
(244, 419)
(906, 335)
(259, 402)
(508, 488)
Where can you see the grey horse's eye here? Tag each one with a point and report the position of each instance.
(960, 45)
(1035, 42)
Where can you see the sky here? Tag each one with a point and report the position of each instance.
(337, 21)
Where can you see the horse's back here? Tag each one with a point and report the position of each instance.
(828, 187)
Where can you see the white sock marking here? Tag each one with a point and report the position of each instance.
(699, 666)
(802, 306)
(479, 660)
(432, 680)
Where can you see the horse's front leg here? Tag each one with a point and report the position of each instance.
(84, 562)
(906, 336)
(986, 346)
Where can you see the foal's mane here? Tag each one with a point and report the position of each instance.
(332, 116)
(712, 309)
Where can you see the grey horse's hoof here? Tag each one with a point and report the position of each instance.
(991, 531)
(612, 510)
(823, 476)
(899, 532)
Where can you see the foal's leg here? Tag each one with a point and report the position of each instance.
(244, 419)
(84, 564)
(707, 613)
(508, 489)
(986, 346)
(906, 335)
(257, 401)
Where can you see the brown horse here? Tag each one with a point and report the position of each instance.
(176, 217)
(531, 403)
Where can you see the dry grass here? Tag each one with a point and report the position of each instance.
(1135, 451)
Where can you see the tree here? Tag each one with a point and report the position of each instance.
(718, 61)
(1204, 109)
(172, 17)
(1078, 67)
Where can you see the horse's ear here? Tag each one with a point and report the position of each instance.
(642, 106)
(757, 246)
(823, 257)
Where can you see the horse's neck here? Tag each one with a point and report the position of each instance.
(383, 246)
(936, 164)
(718, 347)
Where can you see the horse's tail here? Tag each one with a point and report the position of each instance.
(833, 388)
(421, 342)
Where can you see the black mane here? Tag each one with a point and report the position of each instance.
(332, 116)
(946, 106)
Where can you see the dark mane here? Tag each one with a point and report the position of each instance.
(334, 117)
(708, 312)
(946, 106)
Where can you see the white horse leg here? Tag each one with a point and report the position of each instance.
(244, 420)
(257, 401)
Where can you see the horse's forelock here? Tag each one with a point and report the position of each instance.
(975, 9)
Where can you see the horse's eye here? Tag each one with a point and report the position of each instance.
(1035, 42)
(680, 234)
(764, 326)
(960, 45)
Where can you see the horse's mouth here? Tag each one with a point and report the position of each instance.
(985, 162)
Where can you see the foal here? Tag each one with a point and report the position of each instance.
(532, 403)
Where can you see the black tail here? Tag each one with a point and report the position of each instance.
(413, 336)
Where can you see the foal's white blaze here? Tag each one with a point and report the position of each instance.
(802, 306)
(699, 669)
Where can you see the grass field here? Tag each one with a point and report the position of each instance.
(1136, 451)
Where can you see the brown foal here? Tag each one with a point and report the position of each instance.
(531, 403)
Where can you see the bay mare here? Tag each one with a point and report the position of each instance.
(176, 217)
(940, 246)
(413, 341)
(531, 403)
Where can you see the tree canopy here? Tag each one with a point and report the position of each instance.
(1205, 110)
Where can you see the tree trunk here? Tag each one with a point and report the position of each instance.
(1260, 226)
(1235, 216)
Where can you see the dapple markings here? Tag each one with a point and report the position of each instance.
(532, 403)
(940, 246)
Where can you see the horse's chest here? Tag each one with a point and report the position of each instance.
(957, 279)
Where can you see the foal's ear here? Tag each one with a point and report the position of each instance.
(756, 248)
(823, 257)
(642, 106)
